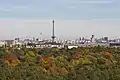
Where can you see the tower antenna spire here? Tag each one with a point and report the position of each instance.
(53, 35)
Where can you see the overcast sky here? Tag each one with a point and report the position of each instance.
(73, 18)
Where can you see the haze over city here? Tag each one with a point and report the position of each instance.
(63, 28)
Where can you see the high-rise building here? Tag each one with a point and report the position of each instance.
(92, 37)
(106, 38)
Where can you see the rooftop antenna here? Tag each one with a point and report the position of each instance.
(53, 35)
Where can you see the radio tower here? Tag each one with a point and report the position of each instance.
(53, 36)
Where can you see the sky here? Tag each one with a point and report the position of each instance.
(60, 9)
(73, 18)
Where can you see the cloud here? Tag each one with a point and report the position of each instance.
(5, 9)
(20, 7)
(98, 1)
(12, 8)
(77, 3)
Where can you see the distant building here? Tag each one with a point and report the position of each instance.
(114, 44)
(52, 45)
(72, 46)
(105, 38)
(9, 42)
(92, 38)
(2, 43)
(42, 44)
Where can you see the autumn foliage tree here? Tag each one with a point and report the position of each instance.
(84, 63)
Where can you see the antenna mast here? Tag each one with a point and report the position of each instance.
(53, 35)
